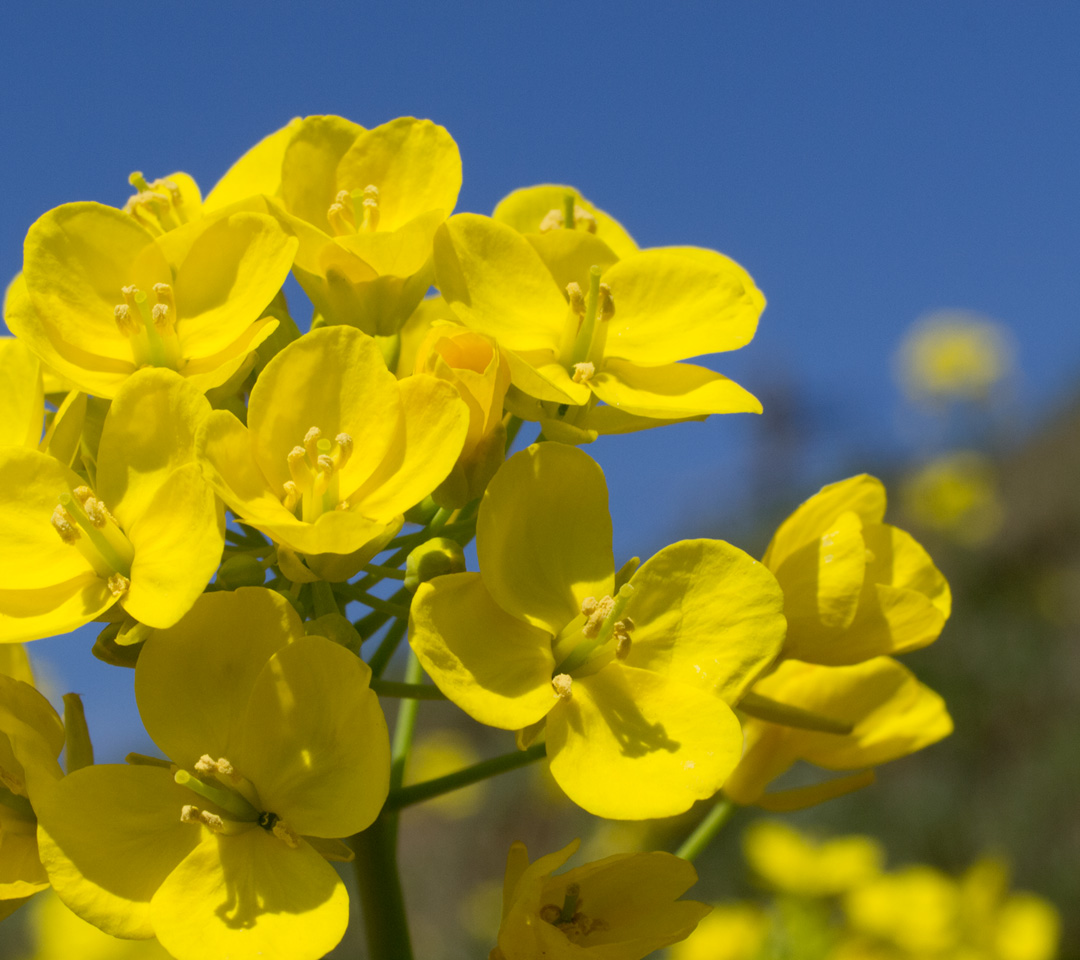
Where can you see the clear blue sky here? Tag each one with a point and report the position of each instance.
(866, 162)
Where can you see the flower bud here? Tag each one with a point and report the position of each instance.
(435, 558)
(241, 571)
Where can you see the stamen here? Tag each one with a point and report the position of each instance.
(162, 317)
(234, 803)
(205, 764)
(298, 468)
(311, 441)
(607, 302)
(584, 339)
(108, 551)
(339, 220)
(604, 627)
(576, 298)
(96, 511)
(365, 204)
(125, 322)
(82, 493)
(553, 220)
(584, 220)
(285, 833)
(344, 449)
(118, 584)
(562, 685)
(65, 526)
(597, 612)
(292, 495)
(584, 372)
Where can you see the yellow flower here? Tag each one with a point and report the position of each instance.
(480, 373)
(620, 908)
(890, 712)
(101, 296)
(164, 204)
(145, 530)
(733, 931)
(580, 325)
(954, 355)
(633, 683)
(440, 753)
(365, 205)
(793, 863)
(58, 934)
(854, 587)
(31, 738)
(543, 208)
(334, 451)
(277, 747)
(956, 495)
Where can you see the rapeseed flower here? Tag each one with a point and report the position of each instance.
(580, 325)
(620, 908)
(364, 204)
(276, 747)
(145, 531)
(334, 451)
(854, 587)
(956, 495)
(632, 682)
(101, 296)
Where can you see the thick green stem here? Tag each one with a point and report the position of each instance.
(418, 792)
(322, 595)
(407, 691)
(387, 647)
(405, 726)
(386, 924)
(705, 831)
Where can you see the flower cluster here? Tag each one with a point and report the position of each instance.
(222, 493)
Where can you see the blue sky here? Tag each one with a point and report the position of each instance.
(866, 163)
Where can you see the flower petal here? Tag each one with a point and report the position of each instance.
(309, 166)
(257, 172)
(193, 681)
(149, 431)
(250, 896)
(543, 535)
(706, 614)
(22, 401)
(630, 744)
(415, 164)
(674, 391)
(314, 740)
(569, 255)
(494, 666)
(109, 835)
(31, 614)
(671, 304)
(497, 284)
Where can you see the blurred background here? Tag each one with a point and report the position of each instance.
(900, 180)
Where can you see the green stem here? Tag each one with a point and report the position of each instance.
(705, 831)
(384, 573)
(405, 726)
(382, 606)
(367, 625)
(434, 528)
(322, 594)
(387, 647)
(418, 792)
(378, 882)
(407, 691)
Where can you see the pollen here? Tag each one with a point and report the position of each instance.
(118, 584)
(584, 372)
(596, 612)
(64, 525)
(125, 322)
(562, 684)
(285, 834)
(576, 297)
(311, 443)
(344, 449)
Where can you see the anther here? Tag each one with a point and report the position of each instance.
(161, 315)
(125, 322)
(292, 493)
(82, 493)
(344, 449)
(599, 610)
(365, 205)
(164, 294)
(325, 463)
(622, 644)
(562, 685)
(339, 219)
(576, 297)
(284, 832)
(553, 220)
(189, 813)
(588, 606)
(607, 302)
(205, 764)
(64, 525)
(96, 511)
(584, 220)
(584, 372)
(118, 584)
(311, 444)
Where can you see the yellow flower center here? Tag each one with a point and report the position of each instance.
(150, 329)
(571, 214)
(604, 622)
(84, 522)
(595, 307)
(158, 206)
(354, 211)
(315, 467)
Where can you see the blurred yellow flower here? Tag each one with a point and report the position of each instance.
(440, 753)
(956, 495)
(733, 931)
(620, 908)
(59, 934)
(954, 355)
(789, 861)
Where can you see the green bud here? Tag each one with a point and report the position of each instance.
(434, 558)
(335, 627)
(241, 570)
(80, 752)
(422, 512)
(115, 654)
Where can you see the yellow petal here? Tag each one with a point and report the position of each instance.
(250, 897)
(64, 434)
(398, 253)
(543, 535)
(674, 391)
(193, 681)
(630, 744)
(21, 872)
(228, 275)
(335, 379)
(862, 495)
(31, 614)
(77, 260)
(415, 164)
(315, 741)
(707, 614)
(799, 798)
(22, 401)
(149, 431)
(109, 835)
(679, 303)
(33, 554)
(436, 421)
(492, 665)
(309, 166)
(569, 255)
(497, 284)
(257, 172)
(525, 209)
(15, 663)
